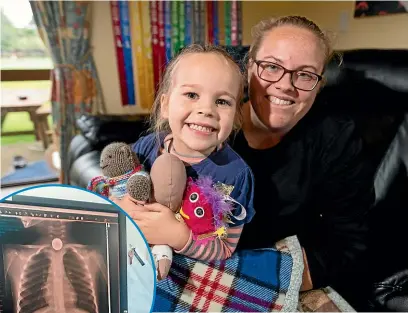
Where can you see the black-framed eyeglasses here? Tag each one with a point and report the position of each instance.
(272, 72)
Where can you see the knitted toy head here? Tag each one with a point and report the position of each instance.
(139, 187)
(118, 159)
(204, 210)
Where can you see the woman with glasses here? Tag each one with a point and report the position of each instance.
(309, 177)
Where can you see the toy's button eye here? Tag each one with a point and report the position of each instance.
(199, 212)
(194, 197)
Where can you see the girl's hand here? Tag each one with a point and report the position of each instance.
(157, 223)
(160, 226)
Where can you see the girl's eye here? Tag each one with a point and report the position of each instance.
(223, 102)
(191, 95)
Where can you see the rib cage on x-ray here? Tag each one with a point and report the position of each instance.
(33, 283)
(54, 275)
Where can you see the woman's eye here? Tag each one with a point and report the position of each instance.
(223, 102)
(271, 68)
(191, 95)
(304, 76)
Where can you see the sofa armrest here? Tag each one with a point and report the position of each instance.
(85, 168)
(392, 293)
(79, 146)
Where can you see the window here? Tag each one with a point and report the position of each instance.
(25, 72)
(21, 46)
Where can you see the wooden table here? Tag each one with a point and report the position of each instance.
(23, 100)
(43, 128)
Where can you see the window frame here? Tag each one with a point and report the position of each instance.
(25, 75)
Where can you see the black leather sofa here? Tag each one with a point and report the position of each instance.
(371, 86)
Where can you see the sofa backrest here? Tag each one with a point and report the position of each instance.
(372, 87)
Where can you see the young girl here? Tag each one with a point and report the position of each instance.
(196, 109)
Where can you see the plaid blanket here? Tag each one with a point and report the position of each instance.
(262, 280)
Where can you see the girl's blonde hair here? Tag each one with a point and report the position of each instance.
(263, 27)
(157, 123)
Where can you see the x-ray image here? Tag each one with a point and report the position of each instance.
(61, 264)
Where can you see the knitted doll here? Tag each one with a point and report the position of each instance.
(168, 181)
(118, 162)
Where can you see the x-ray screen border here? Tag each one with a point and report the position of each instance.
(26, 217)
(62, 203)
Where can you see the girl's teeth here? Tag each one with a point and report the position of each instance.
(201, 128)
(280, 101)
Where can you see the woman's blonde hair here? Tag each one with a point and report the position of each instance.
(157, 123)
(263, 27)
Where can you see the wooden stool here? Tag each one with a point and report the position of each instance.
(43, 128)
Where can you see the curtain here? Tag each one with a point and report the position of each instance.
(64, 27)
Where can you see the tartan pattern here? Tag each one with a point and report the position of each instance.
(250, 281)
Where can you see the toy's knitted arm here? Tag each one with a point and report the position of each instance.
(99, 185)
(217, 249)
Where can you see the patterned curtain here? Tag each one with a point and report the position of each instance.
(64, 26)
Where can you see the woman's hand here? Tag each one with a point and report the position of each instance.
(157, 223)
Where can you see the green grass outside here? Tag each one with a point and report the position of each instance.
(19, 121)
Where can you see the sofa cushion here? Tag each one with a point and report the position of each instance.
(101, 131)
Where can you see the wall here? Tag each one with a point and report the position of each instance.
(105, 59)
(371, 32)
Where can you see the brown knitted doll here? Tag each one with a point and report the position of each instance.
(118, 162)
(168, 181)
